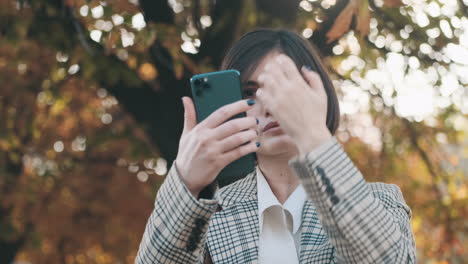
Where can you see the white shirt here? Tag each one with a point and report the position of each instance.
(286, 216)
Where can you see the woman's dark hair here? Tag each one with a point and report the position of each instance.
(247, 53)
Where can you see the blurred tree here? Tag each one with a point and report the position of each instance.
(90, 97)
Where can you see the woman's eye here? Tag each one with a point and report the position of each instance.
(249, 92)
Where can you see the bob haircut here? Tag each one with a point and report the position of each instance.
(247, 53)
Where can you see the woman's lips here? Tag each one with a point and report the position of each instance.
(270, 125)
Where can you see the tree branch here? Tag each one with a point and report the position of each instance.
(225, 16)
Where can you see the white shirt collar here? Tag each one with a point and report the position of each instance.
(267, 199)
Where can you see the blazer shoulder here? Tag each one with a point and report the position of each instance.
(380, 188)
(390, 195)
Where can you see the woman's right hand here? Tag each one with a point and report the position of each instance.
(206, 148)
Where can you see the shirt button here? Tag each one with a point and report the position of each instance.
(335, 200)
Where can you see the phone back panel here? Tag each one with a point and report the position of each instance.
(224, 88)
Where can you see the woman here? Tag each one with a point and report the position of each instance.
(305, 202)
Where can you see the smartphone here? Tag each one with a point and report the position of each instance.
(210, 91)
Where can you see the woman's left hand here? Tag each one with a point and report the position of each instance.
(297, 102)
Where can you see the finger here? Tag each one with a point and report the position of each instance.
(261, 95)
(269, 82)
(225, 112)
(264, 97)
(190, 118)
(234, 126)
(287, 66)
(273, 69)
(277, 77)
(237, 140)
(313, 79)
(239, 152)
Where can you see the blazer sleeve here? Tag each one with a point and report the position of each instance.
(366, 222)
(177, 227)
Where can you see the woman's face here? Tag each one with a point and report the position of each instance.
(274, 141)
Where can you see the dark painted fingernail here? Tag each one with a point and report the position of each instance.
(257, 121)
(308, 67)
(258, 144)
(250, 102)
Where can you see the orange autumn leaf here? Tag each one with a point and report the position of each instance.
(342, 22)
(393, 3)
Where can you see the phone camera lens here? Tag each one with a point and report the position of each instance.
(206, 85)
(197, 82)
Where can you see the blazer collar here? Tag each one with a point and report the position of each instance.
(240, 198)
(238, 217)
(242, 190)
(313, 237)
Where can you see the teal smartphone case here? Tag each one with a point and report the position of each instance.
(211, 91)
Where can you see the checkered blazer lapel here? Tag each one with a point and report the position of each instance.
(314, 240)
(234, 231)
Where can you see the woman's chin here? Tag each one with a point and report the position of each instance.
(276, 143)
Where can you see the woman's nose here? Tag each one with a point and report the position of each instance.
(263, 110)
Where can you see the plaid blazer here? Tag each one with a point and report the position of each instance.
(345, 219)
